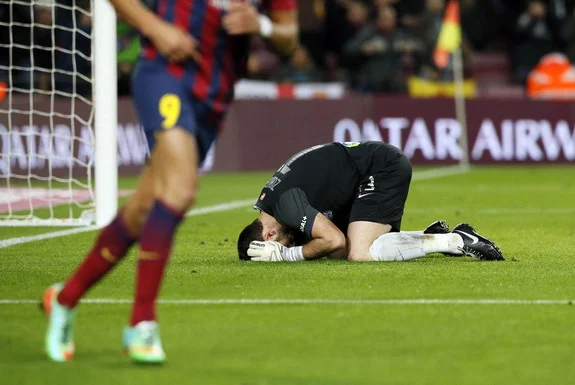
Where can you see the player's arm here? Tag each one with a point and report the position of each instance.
(284, 30)
(170, 41)
(326, 240)
(338, 254)
(280, 28)
(294, 211)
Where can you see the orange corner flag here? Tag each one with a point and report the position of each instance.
(450, 35)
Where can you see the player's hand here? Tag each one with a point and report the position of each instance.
(266, 251)
(242, 18)
(176, 45)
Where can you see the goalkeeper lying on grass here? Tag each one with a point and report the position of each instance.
(346, 200)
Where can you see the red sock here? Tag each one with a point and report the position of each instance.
(155, 248)
(111, 246)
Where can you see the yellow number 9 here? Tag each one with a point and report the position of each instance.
(170, 108)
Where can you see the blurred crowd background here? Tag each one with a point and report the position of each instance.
(370, 45)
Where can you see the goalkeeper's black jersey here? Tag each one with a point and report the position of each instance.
(323, 178)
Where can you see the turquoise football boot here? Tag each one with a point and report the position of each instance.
(59, 342)
(143, 344)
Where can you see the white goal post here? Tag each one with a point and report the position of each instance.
(58, 113)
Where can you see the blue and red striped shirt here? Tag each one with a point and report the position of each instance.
(223, 57)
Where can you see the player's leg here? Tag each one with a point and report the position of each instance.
(137, 207)
(404, 246)
(175, 163)
(369, 241)
(360, 236)
(171, 124)
(463, 240)
(379, 209)
(112, 243)
(110, 246)
(375, 219)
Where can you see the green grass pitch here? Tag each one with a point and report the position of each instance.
(528, 211)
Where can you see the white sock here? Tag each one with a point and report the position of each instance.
(420, 232)
(404, 246)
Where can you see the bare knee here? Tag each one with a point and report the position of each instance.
(136, 211)
(140, 207)
(180, 195)
(361, 235)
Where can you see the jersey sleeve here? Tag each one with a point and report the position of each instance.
(294, 211)
(281, 5)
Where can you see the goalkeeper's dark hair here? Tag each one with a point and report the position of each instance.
(252, 232)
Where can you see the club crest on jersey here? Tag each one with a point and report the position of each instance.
(328, 214)
(225, 4)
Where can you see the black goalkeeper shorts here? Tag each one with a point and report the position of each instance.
(383, 191)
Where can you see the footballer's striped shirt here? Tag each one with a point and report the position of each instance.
(223, 57)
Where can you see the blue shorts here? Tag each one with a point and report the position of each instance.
(164, 101)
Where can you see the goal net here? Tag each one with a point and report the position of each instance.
(53, 153)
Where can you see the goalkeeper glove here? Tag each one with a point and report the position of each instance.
(271, 251)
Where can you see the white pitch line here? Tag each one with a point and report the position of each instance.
(439, 172)
(501, 188)
(534, 211)
(33, 238)
(319, 301)
(62, 233)
(221, 207)
(227, 206)
(492, 211)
